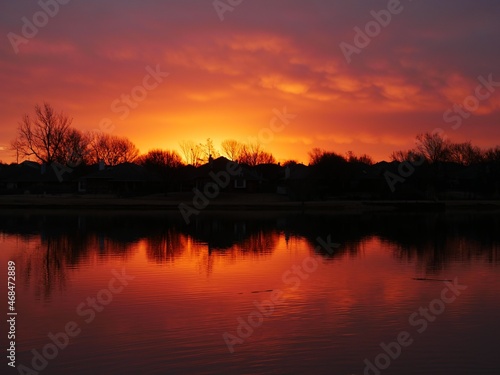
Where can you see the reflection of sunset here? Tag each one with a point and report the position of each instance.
(187, 285)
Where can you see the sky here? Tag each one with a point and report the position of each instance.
(361, 76)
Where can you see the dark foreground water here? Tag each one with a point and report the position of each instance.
(253, 294)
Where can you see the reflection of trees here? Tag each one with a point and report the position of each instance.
(440, 239)
(215, 235)
(166, 246)
(244, 235)
(221, 235)
(432, 259)
(46, 261)
(55, 244)
(259, 243)
(58, 243)
(433, 240)
(46, 266)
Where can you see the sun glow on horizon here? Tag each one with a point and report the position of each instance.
(225, 79)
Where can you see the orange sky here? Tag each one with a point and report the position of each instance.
(227, 77)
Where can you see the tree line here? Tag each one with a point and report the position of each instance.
(48, 137)
(434, 148)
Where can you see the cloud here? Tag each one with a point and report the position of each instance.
(226, 77)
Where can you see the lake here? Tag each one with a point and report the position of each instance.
(253, 293)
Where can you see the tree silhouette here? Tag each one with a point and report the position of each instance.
(465, 153)
(160, 159)
(363, 159)
(321, 157)
(43, 135)
(231, 149)
(492, 154)
(252, 154)
(208, 150)
(75, 148)
(402, 156)
(433, 147)
(191, 151)
(111, 149)
(290, 163)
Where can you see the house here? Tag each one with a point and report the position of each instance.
(371, 183)
(245, 181)
(32, 178)
(270, 175)
(122, 179)
(248, 181)
(296, 182)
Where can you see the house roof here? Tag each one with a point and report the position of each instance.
(26, 171)
(29, 171)
(216, 165)
(220, 164)
(377, 171)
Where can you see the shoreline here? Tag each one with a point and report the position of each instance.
(253, 202)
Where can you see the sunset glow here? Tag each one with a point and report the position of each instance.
(226, 78)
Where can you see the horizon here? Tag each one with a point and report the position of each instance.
(357, 77)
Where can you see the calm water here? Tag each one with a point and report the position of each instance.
(189, 289)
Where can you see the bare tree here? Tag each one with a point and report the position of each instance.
(400, 156)
(208, 150)
(75, 148)
(43, 135)
(232, 149)
(433, 147)
(465, 153)
(318, 156)
(112, 150)
(185, 147)
(249, 154)
(315, 155)
(252, 154)
(192, 152)
(15, 145)
(161, 159)
(413, 156)
(492, 154)
(266, 158)
(290, 163)
(364, 159)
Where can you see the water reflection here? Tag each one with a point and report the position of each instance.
(57, 242)
(192, 282)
